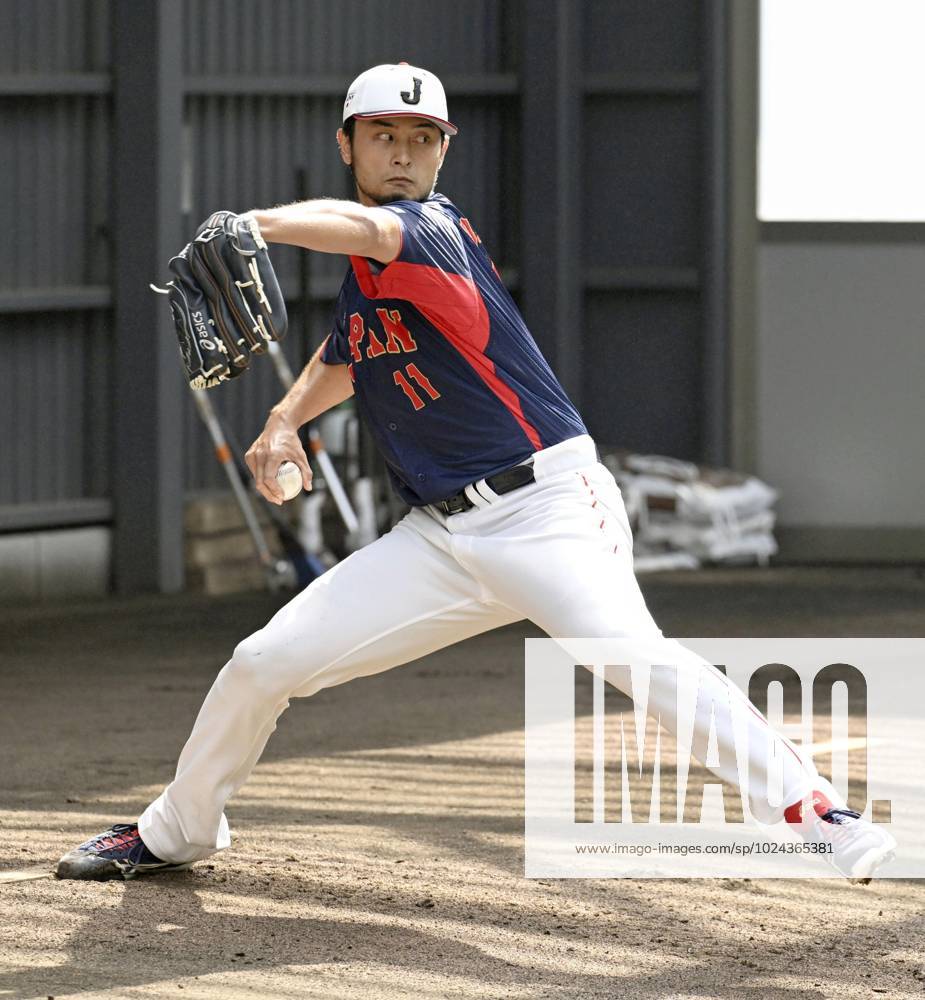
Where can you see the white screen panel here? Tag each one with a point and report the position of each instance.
(841, 110)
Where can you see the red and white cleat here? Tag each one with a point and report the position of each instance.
(856, 847)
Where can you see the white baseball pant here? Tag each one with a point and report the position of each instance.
(558, 551)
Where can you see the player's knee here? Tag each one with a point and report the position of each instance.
(263, 668)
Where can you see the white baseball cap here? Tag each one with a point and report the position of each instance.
(398, 90)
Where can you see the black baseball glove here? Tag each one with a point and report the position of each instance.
(225, 299)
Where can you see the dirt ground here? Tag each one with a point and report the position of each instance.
(378, 845)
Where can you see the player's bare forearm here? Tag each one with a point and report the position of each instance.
(332, 226)
(316, 390)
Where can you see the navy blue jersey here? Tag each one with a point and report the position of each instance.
(445, 371)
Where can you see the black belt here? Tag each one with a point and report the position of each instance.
(500, 482)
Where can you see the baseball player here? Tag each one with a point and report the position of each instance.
(512, 515)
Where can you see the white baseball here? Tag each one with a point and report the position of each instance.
(289, 478)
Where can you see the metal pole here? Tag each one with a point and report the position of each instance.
(715, 441)
(551, 258)
(148, 387)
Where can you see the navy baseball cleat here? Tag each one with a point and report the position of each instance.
(118, 852)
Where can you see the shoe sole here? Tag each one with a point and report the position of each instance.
(139, 872)
(91, 868)
(863, 871)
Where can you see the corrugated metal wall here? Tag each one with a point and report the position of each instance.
(55, 259)
(264, 86)
(644, 158)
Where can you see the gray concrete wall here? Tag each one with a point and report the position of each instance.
(839, 408)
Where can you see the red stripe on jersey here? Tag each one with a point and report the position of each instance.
(454, 305)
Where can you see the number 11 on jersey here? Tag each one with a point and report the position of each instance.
(423, 382)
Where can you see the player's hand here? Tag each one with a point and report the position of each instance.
(279, 442)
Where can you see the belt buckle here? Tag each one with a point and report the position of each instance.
(455, 505)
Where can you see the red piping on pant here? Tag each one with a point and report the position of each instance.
(594, 503)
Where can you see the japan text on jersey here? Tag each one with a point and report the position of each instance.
(445, 372)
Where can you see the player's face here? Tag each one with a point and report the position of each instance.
(393, 159)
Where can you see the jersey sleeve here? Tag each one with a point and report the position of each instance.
(334, 350)
(432, 269)
(429, 237)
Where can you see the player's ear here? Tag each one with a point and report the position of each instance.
(343, 142)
